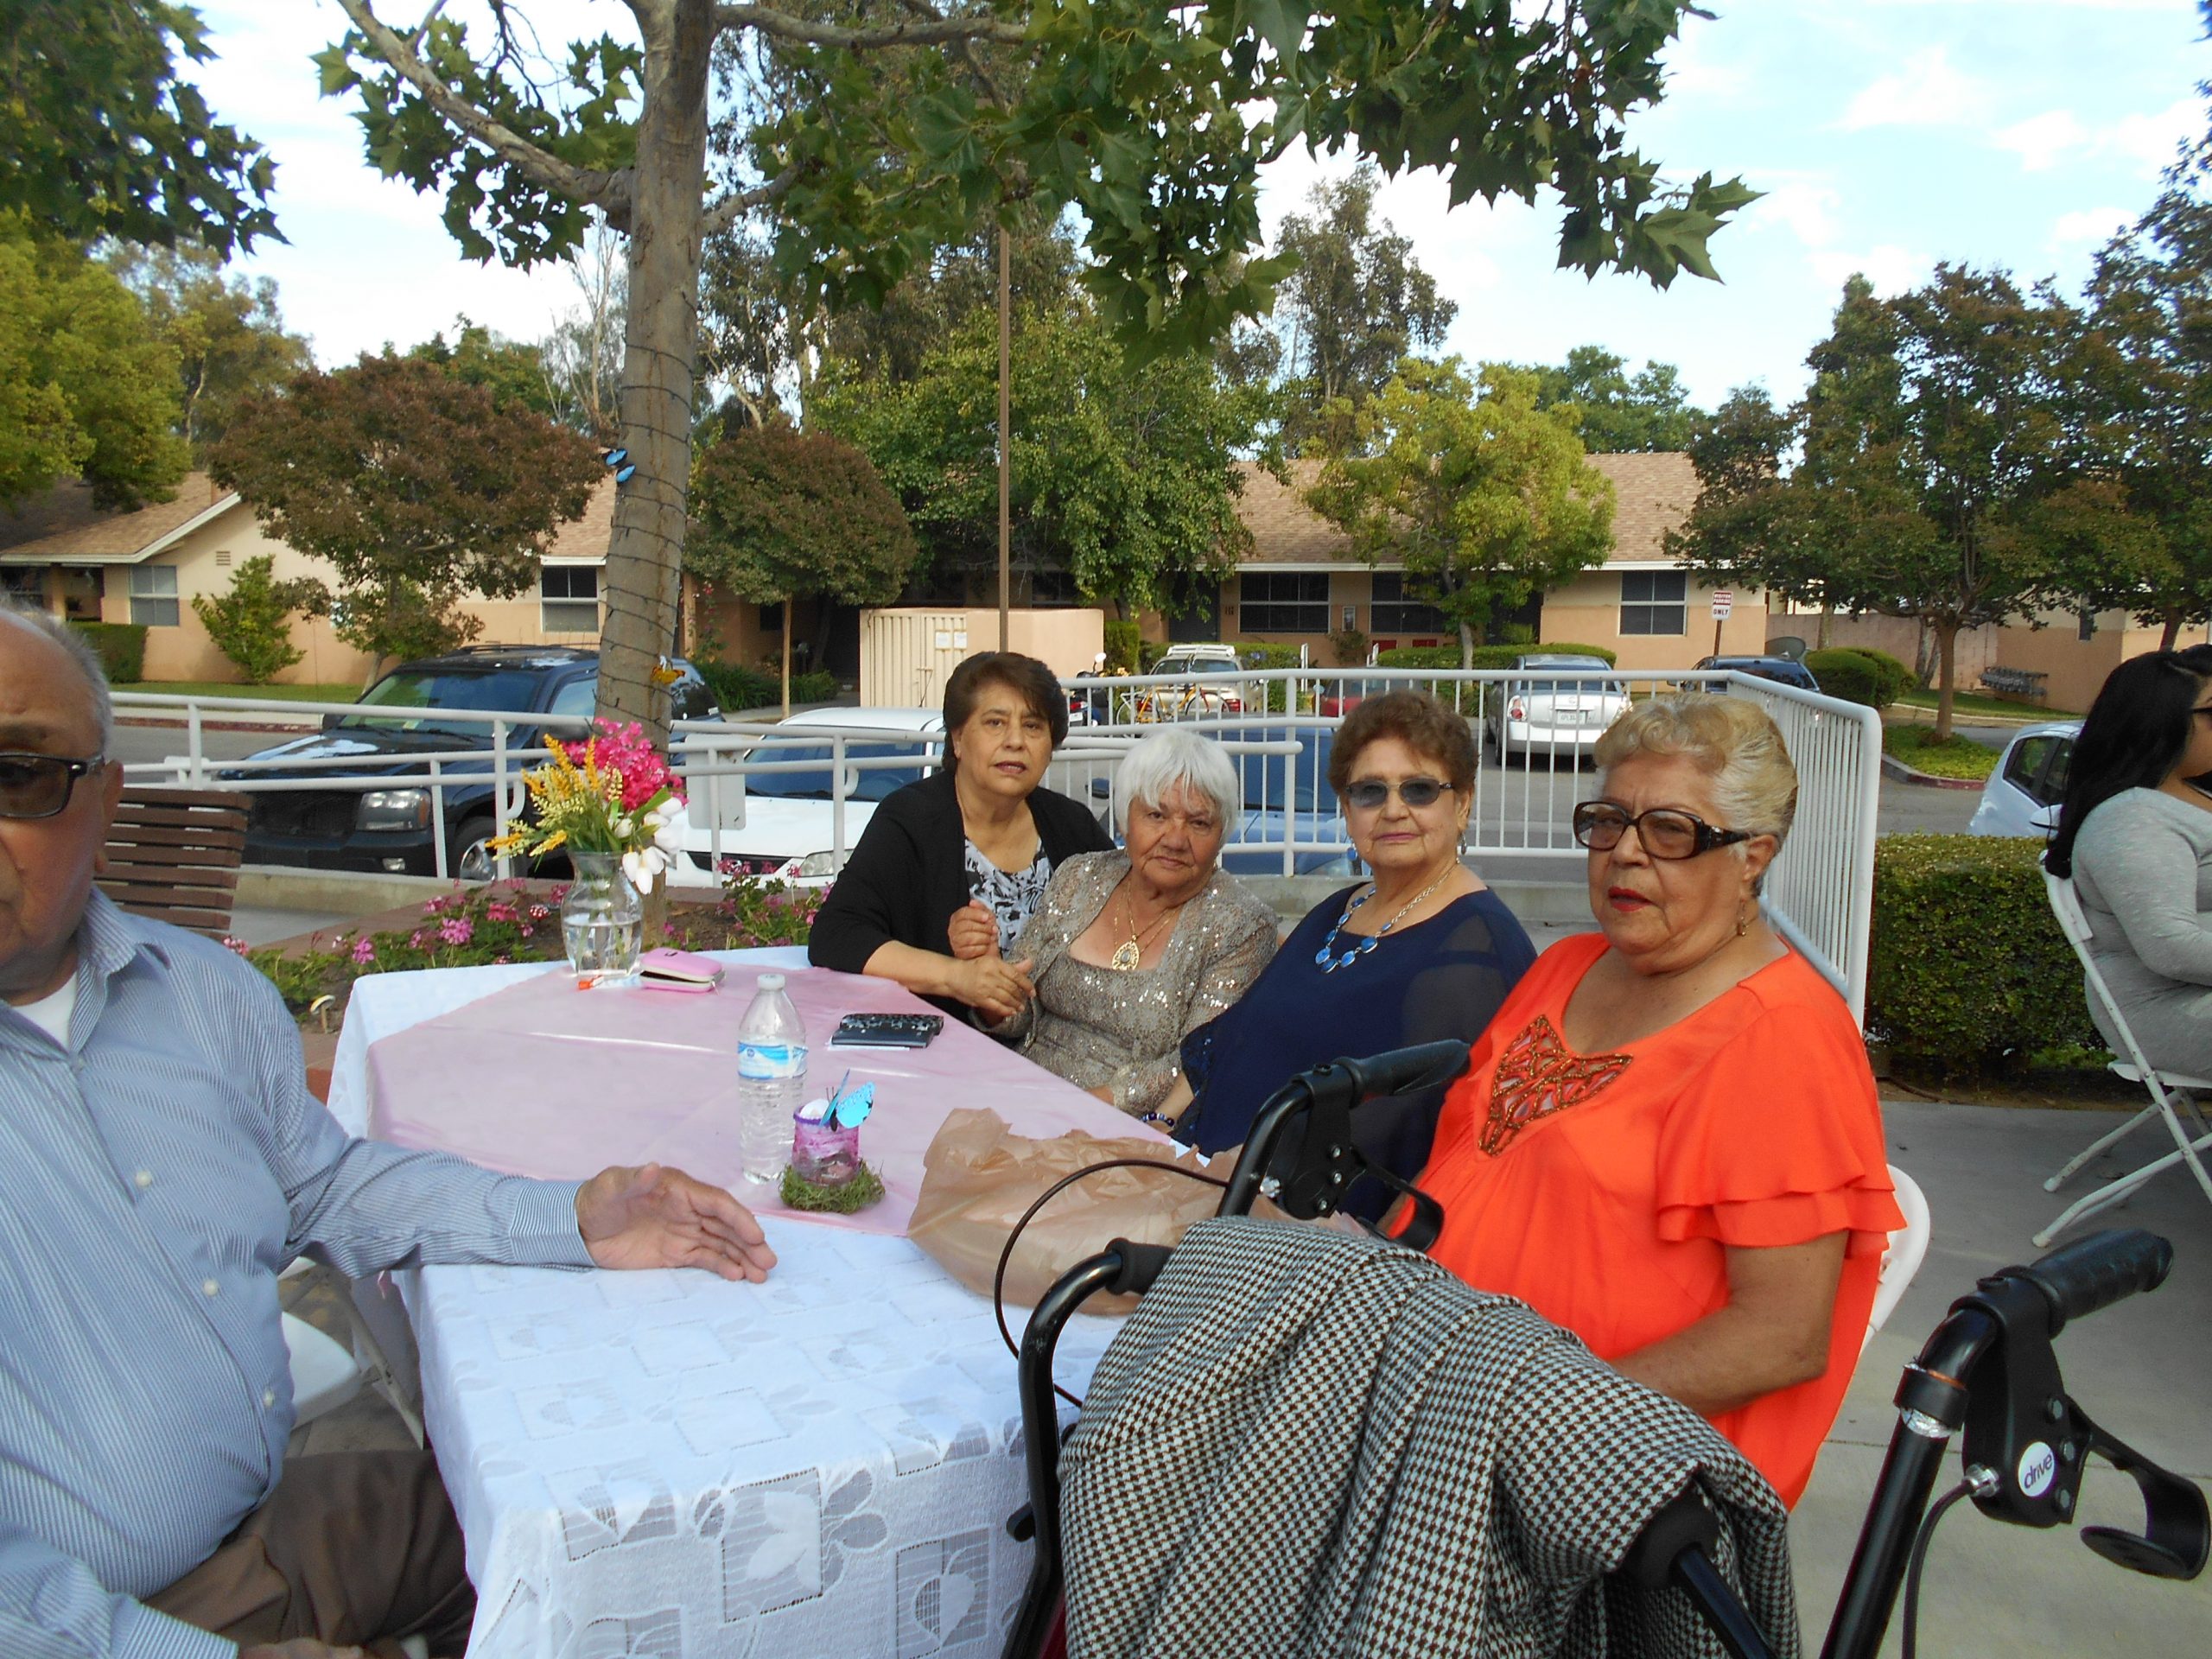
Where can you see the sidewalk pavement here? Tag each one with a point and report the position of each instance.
(2143, 1369)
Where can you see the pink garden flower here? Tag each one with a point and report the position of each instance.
(498, 911)
(457, 930)
(538, 912)
(364, 950)
(415, 938)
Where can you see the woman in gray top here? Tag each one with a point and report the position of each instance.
(1130, 950)
(2135, 833)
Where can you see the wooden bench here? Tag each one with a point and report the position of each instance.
(2015, 682)
(173, 856)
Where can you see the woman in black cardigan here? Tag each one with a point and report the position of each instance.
(949, 868)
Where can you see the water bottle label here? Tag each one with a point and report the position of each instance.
(771, 1060)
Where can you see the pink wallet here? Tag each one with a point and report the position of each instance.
(665, 970)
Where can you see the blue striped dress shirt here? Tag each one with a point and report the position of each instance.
(157, 1173)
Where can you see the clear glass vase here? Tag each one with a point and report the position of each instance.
(602, 920)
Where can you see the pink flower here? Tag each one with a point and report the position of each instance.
(364, 950)
(527, 930)
(500, 961)
(538, 912)
(554, 897)
(433, 906)
(457, 931)
(498, 911)
(239, 945)
(415, 938)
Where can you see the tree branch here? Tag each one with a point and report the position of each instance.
(731, 208)
(593, 187)
(932, 30)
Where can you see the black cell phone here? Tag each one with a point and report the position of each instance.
(887, 1030)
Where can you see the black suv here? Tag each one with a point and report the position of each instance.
(389, 828)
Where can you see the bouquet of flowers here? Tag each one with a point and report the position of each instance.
(612, 793)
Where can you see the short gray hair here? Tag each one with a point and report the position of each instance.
(80, 650)
(1160, 761)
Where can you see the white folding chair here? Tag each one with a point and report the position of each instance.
(324, 1376)
(364, 1362)
(1908, 1248)
(2172, 1093)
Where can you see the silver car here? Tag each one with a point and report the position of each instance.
(1549, 715)
(2022, 793)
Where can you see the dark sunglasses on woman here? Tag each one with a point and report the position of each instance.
(1664, 831)
(39, 785)
(1369, 793)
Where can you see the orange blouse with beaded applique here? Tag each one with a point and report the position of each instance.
(1603, 1190)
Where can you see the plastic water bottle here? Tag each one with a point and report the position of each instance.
(771, 1079)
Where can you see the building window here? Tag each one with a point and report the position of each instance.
(772, 618)
(568, 599)
(1284, 604)
(153, 596)
(25, 585)
(1394, 610)
(1654, 601)
(2089, 626)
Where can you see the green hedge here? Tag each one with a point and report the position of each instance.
(122, 647)
(1968, 971)
(1273, 656)
(1485, 656)
(1846, 675)
(737, 687)
(1893, 678)
(820, 686)
(1124, 641)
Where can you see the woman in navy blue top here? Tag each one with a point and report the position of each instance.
(1422, 952)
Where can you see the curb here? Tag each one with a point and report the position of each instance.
(1893, 767)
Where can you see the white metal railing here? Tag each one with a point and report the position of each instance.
(1278, 729)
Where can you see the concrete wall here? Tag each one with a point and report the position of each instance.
(2076, 666)
(1065, 641)
(1587, 612)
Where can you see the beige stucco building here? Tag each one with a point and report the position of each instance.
(1302, 582)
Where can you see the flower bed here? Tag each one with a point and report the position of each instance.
(520, 921)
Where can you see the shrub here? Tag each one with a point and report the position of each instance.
(1968, 971)
(122, 647)
(1124, 643)
(1953, 757)
(1350, 646)
(250, 623)
(1273, 656)
(1845, 675)
(1485, 656)
(1892, 678)
(736, 686)
(820, 686)
(1149, 652)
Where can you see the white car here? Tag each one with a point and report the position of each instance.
(1543, 714)
(2023, 791)
(781, 823)
(1206, 694)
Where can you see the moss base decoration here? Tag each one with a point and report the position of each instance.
(847, 1199)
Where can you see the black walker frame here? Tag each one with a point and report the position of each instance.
(1988, 1369)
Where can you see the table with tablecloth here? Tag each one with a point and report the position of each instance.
(664, 1464)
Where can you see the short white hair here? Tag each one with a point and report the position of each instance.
(78, 650)
(1174, 755)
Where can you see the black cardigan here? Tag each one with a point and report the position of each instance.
(909, 873)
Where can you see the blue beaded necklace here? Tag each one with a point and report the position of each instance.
(1322, 956)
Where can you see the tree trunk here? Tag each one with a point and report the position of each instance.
(1466, 644)
(2171, 632)
(1947, 642)
(661, 340)
(786, 609)
(1821, 633)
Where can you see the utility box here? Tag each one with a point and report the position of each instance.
(906, 653)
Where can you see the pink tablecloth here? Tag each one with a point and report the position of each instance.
(542, 1079)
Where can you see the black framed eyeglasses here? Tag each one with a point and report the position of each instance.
(1664, 831)
(38, 785)
(1369, 793)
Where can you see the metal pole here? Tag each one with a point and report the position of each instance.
(1006, 430)
(787, 657)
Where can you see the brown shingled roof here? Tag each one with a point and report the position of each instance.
(586, 538)
(62, 527)
(1652, 495)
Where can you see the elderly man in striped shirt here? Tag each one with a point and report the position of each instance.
(163, 1162)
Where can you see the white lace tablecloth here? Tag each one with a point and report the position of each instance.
(664, 1465)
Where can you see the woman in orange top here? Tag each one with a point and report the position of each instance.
(1669, 1140)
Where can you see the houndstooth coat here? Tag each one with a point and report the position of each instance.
(1304, 1444)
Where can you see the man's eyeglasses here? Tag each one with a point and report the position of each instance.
(1665, 832)
(1369, 793)
(38, 785)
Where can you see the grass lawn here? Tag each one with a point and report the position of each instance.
(345, 693)
(1966, 703)
(1954, 757)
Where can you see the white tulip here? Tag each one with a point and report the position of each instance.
(672, 829)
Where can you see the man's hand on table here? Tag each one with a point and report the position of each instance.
(654, 1216)
(973, 931)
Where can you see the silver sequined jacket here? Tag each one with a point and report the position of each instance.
(1093, 1025)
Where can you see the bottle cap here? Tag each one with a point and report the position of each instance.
(769, 982)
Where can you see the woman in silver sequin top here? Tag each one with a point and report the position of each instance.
(1133, 949)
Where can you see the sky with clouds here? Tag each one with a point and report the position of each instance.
(1887, 135)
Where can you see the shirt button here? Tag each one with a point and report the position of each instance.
(268, 1397)
(209, 1288)
(144, 1178)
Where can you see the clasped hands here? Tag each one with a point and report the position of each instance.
(981, 977)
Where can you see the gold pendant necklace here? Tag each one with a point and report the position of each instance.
(1130, 952)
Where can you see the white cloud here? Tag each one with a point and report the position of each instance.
(2088, 227)
(1809, 209)
(2149, 140)
(1927, 92)
(2042, 140)
(1890, 268)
